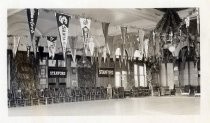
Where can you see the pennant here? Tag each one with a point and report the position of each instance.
(91, 46)
(187, 22)
(104, 53)
(37, 38)
(105, 27)
(141, 41)
(124, 33)
(16, 42)
(32, 15)
(153, 37)
(51, 41)
(85, 26)
(146, 46)
(28, 50)
(63, 24)
(73, 46)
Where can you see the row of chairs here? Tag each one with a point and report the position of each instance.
(48, 96)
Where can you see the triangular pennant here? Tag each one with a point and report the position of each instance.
(85, 26)
(63, 28)
(32, 15)
(105, 27)
(124, 33)
(73, 46)
(91, 45)
(51, 41)
(146, 46)
(37, 38)
(28, 50)
(16, 41)
(104, 53)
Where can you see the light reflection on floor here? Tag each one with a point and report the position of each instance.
(128, 106)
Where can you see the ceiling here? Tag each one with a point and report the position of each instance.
(133, 18)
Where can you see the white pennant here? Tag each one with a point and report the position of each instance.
(51, 46)
(16, 41)
(146, 42)
(104, 53)
(91, 45)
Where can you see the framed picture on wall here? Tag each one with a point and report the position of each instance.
(43, 72)
(42, 62)
(52, 63)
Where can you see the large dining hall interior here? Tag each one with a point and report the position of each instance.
(103, 61)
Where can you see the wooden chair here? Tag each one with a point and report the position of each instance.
(156, 91)
(115, 92)
(185, 91)
(19, 101)
(164, 90)
(121, 92)
(197, 92)
(134, 92)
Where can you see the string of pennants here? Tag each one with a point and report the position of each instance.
(63, 23)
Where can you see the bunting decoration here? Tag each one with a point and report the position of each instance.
(16, 41)
(32, 15)
(51, 41)
(85, 26)
(63, 28)
(37, 38)
(73, 46)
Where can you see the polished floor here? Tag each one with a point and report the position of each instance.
(178, 105)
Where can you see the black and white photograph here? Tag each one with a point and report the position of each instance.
(145, 62)
(131, 61)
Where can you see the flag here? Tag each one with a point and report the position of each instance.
(73, 43)
(141, 41)
(123, 34)
(91, 46)
(16, 42)
(85, 26)
(146, 46)
(51, 41)
(63, 24)
(105, 27)
(37, 38)
(32, 15)
(28, 50)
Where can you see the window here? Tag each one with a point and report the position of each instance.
(140, 75)
(117, 79)
(136, 75)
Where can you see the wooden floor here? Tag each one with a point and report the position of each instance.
(178, 105)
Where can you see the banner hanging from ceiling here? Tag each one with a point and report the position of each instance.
(32, 15)
(28, 50)
(51, 41)
(63, 28)
(85, 26)
(91, 46)
(105, 28)
(73, 46)
(123, 34)
(37, 38)
(16, 42)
